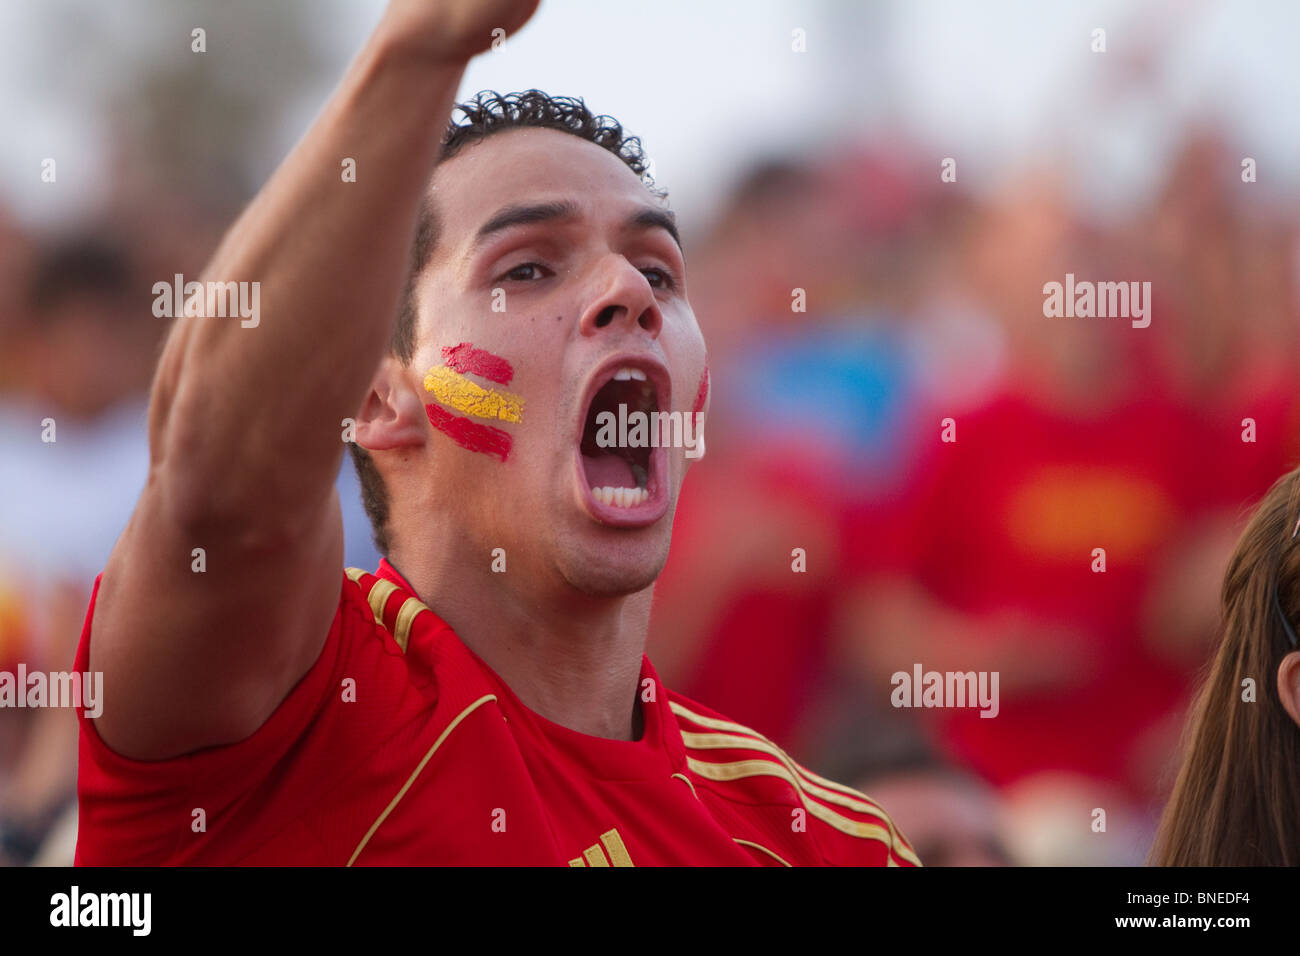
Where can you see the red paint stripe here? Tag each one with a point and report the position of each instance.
(464, 358)
(702, 395)
(468, 434)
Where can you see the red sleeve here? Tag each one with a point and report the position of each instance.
(135, 812)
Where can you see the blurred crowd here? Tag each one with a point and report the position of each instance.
(978, 487)
(858, 312)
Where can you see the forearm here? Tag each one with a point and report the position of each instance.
(331, 258)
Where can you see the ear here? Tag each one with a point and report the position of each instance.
(1288, 684)
(392, 415)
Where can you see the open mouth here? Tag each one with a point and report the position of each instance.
(620, 461)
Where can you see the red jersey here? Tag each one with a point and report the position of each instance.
(400, 746)
(1008, 524)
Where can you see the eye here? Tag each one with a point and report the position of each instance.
(659, 278)
(527, 272)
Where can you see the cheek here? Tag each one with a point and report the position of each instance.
(468, 360)
(702, 392)
(458, 400)
(469, 435)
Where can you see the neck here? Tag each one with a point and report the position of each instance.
(572, 658)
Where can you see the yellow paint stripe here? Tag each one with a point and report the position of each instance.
(577, 861)
(405, 618)
(758, 846)
(617, 851)
(815, 784)
(355, 574)
(595, 856)
(407, 786)
(456, 391)
(757, 768)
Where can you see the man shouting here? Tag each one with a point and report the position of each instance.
(467, 304)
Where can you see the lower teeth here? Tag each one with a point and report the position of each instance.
(620, 497)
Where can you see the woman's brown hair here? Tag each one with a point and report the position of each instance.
(1236, 800)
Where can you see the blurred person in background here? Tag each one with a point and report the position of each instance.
(1236, 801)
(1104, 436)
(15, 264)
(82, 351)
(15, 255)
(1224, 354)
(1066, 457)
(957, 817)
(951, 815)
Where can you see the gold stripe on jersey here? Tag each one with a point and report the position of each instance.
(380, 592)
(766, 768)
(405, 617)
(733, 742)
(594, 856)
(378, 596)
(687, 780)
(759, 846)
(410, 780)
(754, 739)
(804, 780)
(618, 854)
(714, 723)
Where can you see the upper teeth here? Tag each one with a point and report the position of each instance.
(626, 374)
(620, 497)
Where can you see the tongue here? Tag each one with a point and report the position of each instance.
(611, 470)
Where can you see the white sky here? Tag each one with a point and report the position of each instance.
(709, 83)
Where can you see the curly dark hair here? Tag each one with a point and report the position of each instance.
(485, 114)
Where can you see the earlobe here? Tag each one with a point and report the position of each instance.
(392, 415)
(1288, 685)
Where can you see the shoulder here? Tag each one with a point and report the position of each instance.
(402, 628)
(742, 766)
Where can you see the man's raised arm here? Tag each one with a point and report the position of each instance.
(245, 419)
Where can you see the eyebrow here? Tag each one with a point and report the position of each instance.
(648, 218)
(531, 213)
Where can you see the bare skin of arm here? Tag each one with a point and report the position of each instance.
(893, 623)
(245, 423)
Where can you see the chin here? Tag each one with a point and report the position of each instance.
(615, 569)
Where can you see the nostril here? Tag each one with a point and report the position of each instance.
(606, 316)
(646, 321)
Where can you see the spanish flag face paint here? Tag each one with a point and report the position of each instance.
(701, 393)
(453, 391)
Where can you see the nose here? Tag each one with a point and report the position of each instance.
(626, 302)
